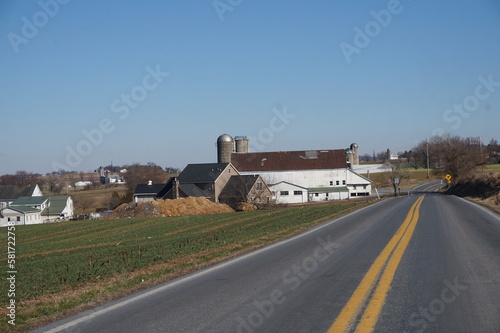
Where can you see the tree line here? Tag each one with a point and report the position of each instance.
(54, 182)
(454, 155)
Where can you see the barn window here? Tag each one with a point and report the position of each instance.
(343, 182)
(297, 192)
(284, 192)
(260, 186)
(338, 183)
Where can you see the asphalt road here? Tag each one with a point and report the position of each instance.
(446, 279)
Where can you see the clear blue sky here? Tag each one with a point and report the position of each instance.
(68, 69)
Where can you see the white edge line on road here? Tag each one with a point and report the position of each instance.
(484, 209)
(180, 280)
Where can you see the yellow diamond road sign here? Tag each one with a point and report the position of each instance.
(448, 177)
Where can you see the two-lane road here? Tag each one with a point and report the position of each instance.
(424, 263)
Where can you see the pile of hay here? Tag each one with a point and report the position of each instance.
(162, 208)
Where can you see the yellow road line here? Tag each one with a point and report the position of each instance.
(428, 187)
(370, 317)
(352, 308)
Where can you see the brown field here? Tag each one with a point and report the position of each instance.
(416, 177)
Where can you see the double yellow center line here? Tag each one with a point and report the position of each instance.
(378, 277)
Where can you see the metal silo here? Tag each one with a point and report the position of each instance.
(355, 154)
(242, 144)
(225, 147)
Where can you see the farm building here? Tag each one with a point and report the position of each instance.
(203, 180)
(37, 209)
(245, 188)
(9, 193)
(219, 182)
(285, 192)
(60, 207)
(149, 191)
(317, 175)
(20, 215)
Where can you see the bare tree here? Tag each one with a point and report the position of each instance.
(84, 203)
(415, 158)
(396, 176)
(8, 179)
(493, 151)
(245, 188)
(452, 154)
(54, 183)
(112, 201)
(365, 158)
(382, 156)
(26, 178)
(141, 174)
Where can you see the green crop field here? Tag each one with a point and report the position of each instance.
(490, 167)
(66, 265)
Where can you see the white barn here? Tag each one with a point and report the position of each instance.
(318, 174)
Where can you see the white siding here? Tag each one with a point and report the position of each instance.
(18, 218)
(288, 193)
(328, 196)
(356, 184)
(68, 211)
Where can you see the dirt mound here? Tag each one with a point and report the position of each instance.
(162, 208)
(481, 186)
(244, 207)
(136, 209)
(191, 206)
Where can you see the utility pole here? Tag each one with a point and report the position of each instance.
(427, 148)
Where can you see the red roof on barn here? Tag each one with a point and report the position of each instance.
(290, 160)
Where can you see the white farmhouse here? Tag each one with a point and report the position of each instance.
(37, 209)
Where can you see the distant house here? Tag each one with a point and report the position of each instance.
(116, 179)
(150, 191)
(9, 193)
(83, 183)
(207, 180)
(248, 188)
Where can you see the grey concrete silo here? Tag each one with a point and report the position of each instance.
(225, 147)
(355, 154)
(242, 144)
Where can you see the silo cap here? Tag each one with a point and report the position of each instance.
(225, 138)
